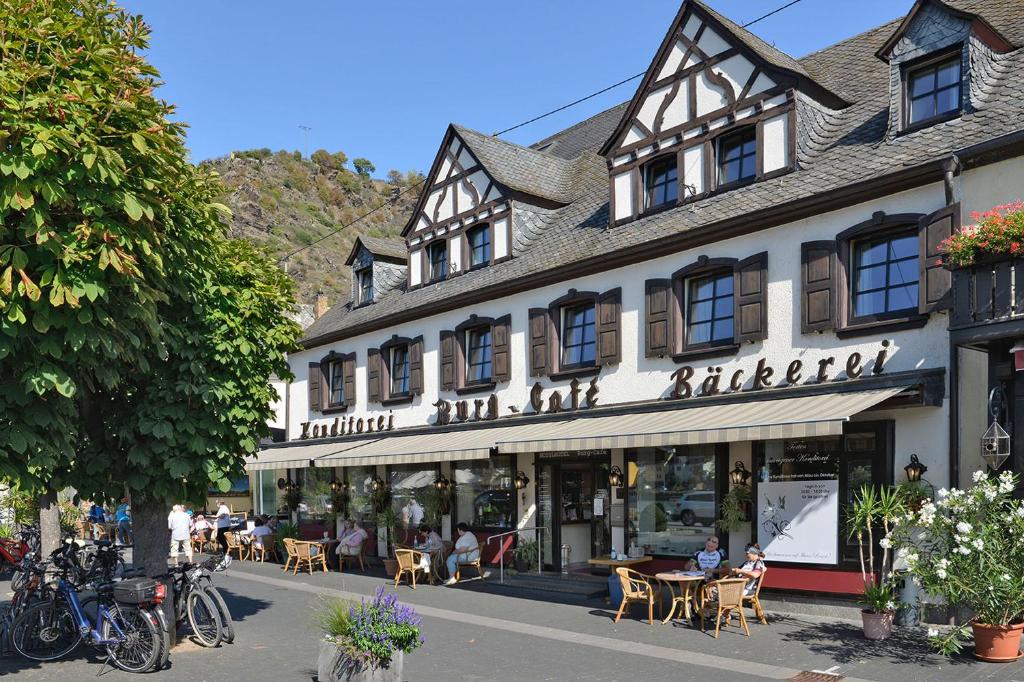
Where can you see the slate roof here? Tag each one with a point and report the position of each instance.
(388, 249)
(838, 149)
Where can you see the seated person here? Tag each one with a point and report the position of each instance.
(429, 539)
(690, 565)
(466, 549)
(711, 558)
(200, 527)
(352, 539)
(259, 532)
(751, 568)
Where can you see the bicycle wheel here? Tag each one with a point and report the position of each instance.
(140, 644)
(204, 619)
(45, 631)
(222, 609)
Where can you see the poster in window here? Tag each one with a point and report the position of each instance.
(798, 504)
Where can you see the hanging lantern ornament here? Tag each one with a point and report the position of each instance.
(336, 487)
(995, 446)
(376, 484)
(915, 470)
(739, 475)
(442, 484)
(522, 480)
(615, 477)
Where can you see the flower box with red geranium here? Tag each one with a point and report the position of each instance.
(998, 232)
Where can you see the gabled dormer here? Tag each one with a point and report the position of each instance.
(464, 218)
(377, 265)
(715, 110)
(937, 58)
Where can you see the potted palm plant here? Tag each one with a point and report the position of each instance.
(735, 509)
(388, 520)
(366, 642)
(526, 555)
(876, 511)
(967, 548)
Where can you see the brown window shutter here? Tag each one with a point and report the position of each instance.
(934, 281)
(447, 365)
(348, 374)
(818, 281)
(501, 360)
(325, 380)
(373, 392)
(609, 327)
(538, 342)
(657, 329)
(416, 366)
(751, 298)
(315, 379)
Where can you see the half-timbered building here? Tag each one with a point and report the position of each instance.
(734, 279)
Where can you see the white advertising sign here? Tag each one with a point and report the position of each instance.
(798, 521)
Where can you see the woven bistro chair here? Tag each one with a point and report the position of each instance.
(200, 540)
(722, 597)
(465, 561)
(235, 545)
(360, 557)
(290, 553)
(754, 601)
(268, 546)
(635, 588)
(408, 565)
(304, 555)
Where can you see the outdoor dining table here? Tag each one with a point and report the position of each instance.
(689, 583)
(614, 588)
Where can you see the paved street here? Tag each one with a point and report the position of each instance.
(475, 635)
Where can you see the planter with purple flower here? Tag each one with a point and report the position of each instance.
(366, 642)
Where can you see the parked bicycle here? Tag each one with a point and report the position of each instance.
(198, 602)
(126, 623)
(13, 551)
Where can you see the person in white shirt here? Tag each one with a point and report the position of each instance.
(223, 525)
(712, 557)
(412, 514)
(466, 549)
(259, 532)
(178, 523)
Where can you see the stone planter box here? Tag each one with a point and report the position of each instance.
(334, 666)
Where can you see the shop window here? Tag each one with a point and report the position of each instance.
(266, 485)
(365, 286)
(316, 505)
(359, 480)
(579, 337)
(413, 497)
(932, 91)
(709, 318)
(661, 182)
(437, 260)
(484, 495)
(478, 356)
(479, 245)
(737, 156)
(885, 275)
(672, 498)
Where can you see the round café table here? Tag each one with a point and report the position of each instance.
(688, 582)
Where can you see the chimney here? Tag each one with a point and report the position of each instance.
(319, 304)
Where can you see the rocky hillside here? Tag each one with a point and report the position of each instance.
(287, 202)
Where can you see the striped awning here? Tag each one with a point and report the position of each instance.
(298, 456)
(803, 417)
(443, 446)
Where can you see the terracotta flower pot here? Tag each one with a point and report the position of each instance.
(877, 625)
(997, 643)
(391, 566)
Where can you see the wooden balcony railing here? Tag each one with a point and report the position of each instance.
(986, 293)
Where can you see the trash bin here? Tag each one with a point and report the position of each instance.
(614, 590)
(566, 551)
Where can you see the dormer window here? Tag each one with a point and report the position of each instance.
(437, 260)
(933, 90)
(661, 183)
(479, 245)
(364, 281)
(737, 156)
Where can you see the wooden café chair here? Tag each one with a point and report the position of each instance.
(304, 555)
(268, 546)
(235, 545)
(721, 597)
(466, 561)
(342, 557)
(200, 541)
(754, 601)
(635, 588)
(408, 564)
(290, 553)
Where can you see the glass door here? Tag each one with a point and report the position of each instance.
(545, 517)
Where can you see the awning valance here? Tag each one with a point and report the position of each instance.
(298, 456)
(771, 418)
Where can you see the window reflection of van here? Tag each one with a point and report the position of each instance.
(493, 509)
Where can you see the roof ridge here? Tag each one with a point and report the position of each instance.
(461, 129)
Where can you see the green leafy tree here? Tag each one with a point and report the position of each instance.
(136, 340)
(363, 167)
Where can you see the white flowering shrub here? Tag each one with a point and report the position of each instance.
(968, 548)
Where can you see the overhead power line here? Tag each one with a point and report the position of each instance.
(502, 132)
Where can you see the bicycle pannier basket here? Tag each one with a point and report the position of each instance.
(135, 591)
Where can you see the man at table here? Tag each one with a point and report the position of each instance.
(712, 557)
(466, 549)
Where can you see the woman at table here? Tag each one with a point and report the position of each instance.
(429, 540)
(751, 569)
(351, 541)
(466, 549)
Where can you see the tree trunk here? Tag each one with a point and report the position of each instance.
(49, 522)
(152, 539)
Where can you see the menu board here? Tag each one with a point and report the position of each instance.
(798, 502)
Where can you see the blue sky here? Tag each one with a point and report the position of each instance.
(383, 79)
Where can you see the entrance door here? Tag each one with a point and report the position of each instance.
(573, 501)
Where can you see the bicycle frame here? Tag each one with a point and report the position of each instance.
(85, 626)
(12, 551)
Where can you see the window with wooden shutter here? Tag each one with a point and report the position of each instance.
(658, 316)
(609, 336)
(818, 284)
(502, 361)
(373, 375)
(934, 280)
(539, 365)
(314, 380)
(751, 298)
(446, 367)
(416, 366)
(348, 371)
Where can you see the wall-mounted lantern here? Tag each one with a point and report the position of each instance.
(739, 475)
